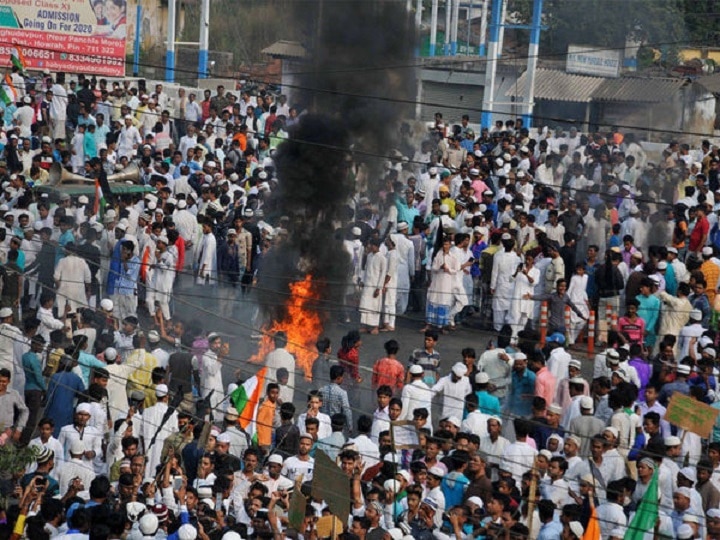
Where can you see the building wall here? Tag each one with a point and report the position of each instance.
(692, 53)
(689, 117)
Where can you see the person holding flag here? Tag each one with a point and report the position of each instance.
(246, 400)
(647, 522)
(17, 73)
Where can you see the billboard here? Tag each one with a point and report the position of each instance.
(86, 36)
(590, 60)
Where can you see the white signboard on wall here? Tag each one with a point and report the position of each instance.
(589, 60)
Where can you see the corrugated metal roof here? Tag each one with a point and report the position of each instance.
(637, 89)
(710, 82)
(286, 49)
(557, 85)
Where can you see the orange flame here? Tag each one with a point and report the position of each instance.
(302, 325)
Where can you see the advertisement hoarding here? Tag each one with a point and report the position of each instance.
(589, 60)
(86, 36)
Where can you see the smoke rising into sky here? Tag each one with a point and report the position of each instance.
(351, 44)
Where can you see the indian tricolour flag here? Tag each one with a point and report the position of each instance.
(17, 58)
(99, 202)
(246, 399)
(7, 91)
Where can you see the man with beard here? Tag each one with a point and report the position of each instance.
(211, 382)
(302, 463)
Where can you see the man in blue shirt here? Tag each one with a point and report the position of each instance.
(522, 388)
(488, 404)
(66, 236)
(551, 529)
(125, 296)
(34, 385)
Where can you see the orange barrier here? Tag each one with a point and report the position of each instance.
(591, 333)
(543, 323)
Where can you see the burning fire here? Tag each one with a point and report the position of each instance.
(302, 325)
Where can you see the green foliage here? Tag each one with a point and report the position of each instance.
(609, 23)
(702, 20)
(13, 460)
(665, 26)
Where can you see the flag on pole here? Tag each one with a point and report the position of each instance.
(646, 514)
(17, 58)
(246, 399)
(592, 531)
(7, 91)
(99, 202)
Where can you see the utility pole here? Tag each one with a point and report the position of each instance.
(482, 49)
(448, 23)
(533, 51)
(433, 26)
(494, 44)
(170, 49)
(204, 39)
(454, 26)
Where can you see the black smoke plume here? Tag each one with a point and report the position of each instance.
(361, 63)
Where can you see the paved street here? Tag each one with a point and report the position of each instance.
(407, 333)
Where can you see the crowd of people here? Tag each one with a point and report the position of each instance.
(119, 415)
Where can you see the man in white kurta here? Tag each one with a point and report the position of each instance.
(390, 285)
(502, 284)
(72, 275)
(9, 335)
(211, 376)
(129, 139)
(277, 359)
(417, 394)
(373, 280)
(454, 387)
(152, 418)
(406, 266)
(207, 257)
(463, 287)
(117, 383)
(75, 467)
(187, 226)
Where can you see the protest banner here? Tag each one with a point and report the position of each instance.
(691, 414)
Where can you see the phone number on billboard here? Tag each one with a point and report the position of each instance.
(29, 53)
(92, 59)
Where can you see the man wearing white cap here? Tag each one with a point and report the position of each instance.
(75, 467)
(406, 265)
(454, 387)
(160, 354)
(160, 285)
(585, 426)
(79, 430)
(151, 427)
(690, 333)
(502, 285)
(682, 497)
(354, 247)
(276, 482)
(416, 394)
(373, 282)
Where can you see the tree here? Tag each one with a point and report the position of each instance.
(655, 23)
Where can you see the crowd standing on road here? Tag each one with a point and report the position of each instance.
(118, 388)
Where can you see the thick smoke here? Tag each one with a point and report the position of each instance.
(360, 57)
(314, 185)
